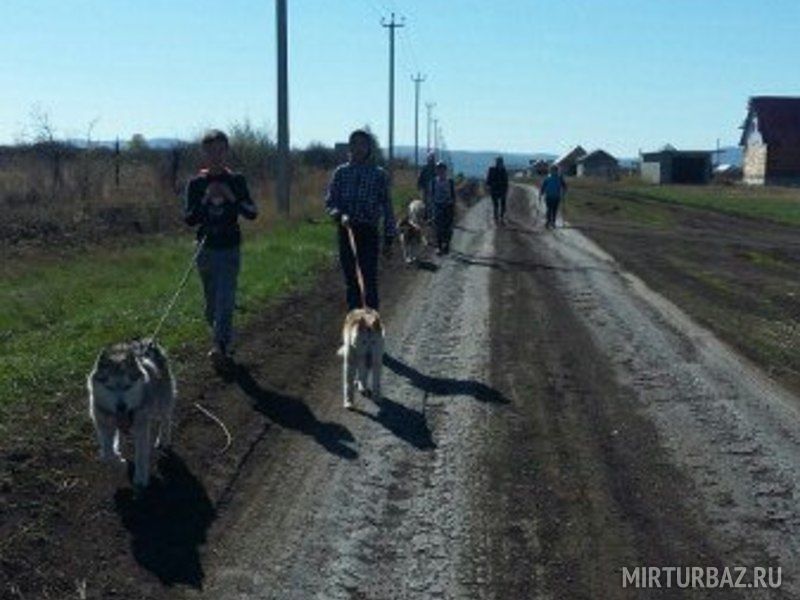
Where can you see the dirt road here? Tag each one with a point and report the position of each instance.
(547, 420)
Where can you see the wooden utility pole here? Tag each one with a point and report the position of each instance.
(429, 106)
(392, 25)
(282, 184)
(417, 81)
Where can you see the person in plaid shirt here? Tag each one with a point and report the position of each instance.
(358, 198)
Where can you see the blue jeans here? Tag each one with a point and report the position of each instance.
(219, 270)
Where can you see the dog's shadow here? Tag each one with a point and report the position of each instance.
(292, 413)
(426, 265)
(445, 386)
(168, 523)
(406, 423)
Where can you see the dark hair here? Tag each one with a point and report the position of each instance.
(360, 133)
(214, 135)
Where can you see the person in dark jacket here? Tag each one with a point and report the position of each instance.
(215, 198)
(444, 202)
(497, 182)
(424, 182)
(552, 191)
(358, 199)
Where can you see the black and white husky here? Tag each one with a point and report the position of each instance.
(362, 354)
(132, 390)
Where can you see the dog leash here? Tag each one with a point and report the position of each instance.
(359, 276)
(182, 284)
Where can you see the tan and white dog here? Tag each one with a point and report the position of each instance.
(362, 354)
(131, 389)
(412, 232)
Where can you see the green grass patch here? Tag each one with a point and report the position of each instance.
(772, 204)
(54, 318)
(56, 315)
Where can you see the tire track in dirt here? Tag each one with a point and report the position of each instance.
(732, 434)
(398, 520)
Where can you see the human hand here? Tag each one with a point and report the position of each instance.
(344, 220)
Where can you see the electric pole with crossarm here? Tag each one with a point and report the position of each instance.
(392, 25)
(417, 81)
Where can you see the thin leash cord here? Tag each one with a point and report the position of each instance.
(359, 275)
(179, 290)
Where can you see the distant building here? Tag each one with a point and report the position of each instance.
(676, 166)
(598, 163)
(771, 141)
(568, 163)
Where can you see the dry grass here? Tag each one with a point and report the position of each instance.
(79, 196)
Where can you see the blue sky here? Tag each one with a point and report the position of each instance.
(519, 75)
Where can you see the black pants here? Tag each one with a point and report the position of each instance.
(499, 203)
(443, 215)
(552, 210)
(367, 247)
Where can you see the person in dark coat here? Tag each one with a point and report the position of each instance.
(497, 182)
(215, 199)
(424, 182)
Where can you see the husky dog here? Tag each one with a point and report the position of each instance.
(362, 351)
(131, 389)
(412, 235)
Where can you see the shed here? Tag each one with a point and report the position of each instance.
(567, 164)
(676, 166)
(771, 141)
(598, 163)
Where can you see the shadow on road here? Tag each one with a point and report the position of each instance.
(445, 386)
(407, 424)
(426, 265)
(509, 265)
(168, 523)
(293, 413)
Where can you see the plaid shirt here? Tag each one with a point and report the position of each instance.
(362, 193)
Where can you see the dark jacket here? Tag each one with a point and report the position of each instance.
(497, 180)
(219, 224)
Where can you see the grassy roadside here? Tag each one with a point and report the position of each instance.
(779, 205)
(55, 316)
(730, 257)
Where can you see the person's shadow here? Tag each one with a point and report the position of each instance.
(406, 423)
(168, 523)
(445, 386)
(292, 413)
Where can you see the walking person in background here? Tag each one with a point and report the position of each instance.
(444, 203)
(358, 199)
(424, 182)
(553, 191)
(497, 182)
(215, 198)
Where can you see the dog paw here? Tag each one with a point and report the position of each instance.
(348, 404)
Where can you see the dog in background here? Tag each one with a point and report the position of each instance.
(412, 233)
(362, 354)
(131, 389)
